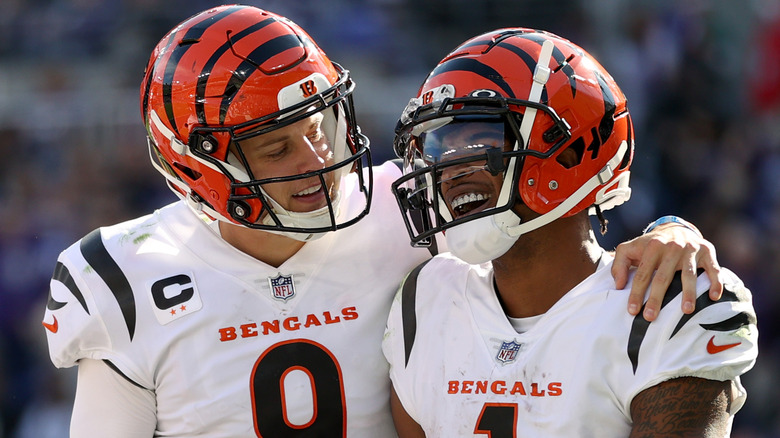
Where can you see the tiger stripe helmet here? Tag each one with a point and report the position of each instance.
(551, 96)
(230, 73)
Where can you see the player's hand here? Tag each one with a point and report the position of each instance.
(665, 250)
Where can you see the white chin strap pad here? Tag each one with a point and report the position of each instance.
(621, 193)
(309, 219)
(480, 240)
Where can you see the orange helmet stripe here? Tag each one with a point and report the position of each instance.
(204, 76)
(193, 34)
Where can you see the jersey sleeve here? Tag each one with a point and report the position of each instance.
(83, 317)
(106, 404)
(74, 326)
(718, 341)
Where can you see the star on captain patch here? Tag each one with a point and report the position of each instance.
(282, 286)
(508, 352)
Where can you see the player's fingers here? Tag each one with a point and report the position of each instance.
(664, 273)
(642, 278)
(624, 259)
(706, 259)
(688, 277)
(635, 301)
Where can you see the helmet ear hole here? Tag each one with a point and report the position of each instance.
(572, 155)
(186, 171)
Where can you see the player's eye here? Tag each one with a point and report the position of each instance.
(276, 152)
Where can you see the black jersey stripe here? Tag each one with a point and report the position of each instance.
(193, 34)
(640, 325)
(203, 77)
(741, 319)
(704, 301)
(62, 274)
(255, 59)
(95, 253)
(124, 376)
(408, 311)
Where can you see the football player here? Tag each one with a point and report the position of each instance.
(255, 305)
(513, 138)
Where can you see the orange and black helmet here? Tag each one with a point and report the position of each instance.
(545, 95)
(231, 73)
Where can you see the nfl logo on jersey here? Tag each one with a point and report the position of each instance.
(282, 287)
(508, 351)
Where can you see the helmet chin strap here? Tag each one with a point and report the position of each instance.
(484, 239)
(479, 240)
(318, 218)
(604, 175)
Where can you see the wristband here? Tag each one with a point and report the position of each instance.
(672, 219)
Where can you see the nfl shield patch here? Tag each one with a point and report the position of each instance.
(282, 287)
(508, 351)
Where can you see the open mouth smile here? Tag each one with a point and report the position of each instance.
(469, 202)
(311, 190)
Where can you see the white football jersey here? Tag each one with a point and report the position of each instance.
(461, 369)
(231, 346)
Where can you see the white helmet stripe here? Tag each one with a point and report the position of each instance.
(541, 75)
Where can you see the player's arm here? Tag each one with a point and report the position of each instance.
(109, 405)
(685, 406)
(658, 254)
(405, 425)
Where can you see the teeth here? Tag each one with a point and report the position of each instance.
(309, 191)
(470, 197)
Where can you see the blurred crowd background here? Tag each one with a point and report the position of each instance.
(702, 78)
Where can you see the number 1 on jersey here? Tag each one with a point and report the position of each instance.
(497, 420)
